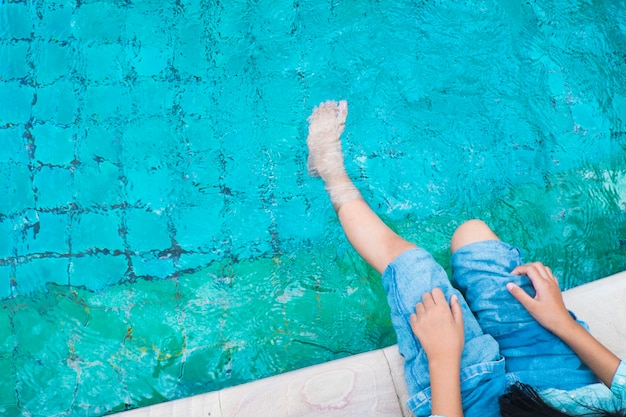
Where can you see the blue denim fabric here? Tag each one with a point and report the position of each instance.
(533, 355)
(496, 326)
(405, 280)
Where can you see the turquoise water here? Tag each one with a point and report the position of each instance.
(159, 234)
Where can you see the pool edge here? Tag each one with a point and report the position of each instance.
(372, 383)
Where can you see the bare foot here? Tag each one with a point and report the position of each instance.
(326, 125)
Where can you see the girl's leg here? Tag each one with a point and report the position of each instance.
(372, 239)
(482, 266)
(408, 272)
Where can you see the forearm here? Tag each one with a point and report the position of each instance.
(594, 354)
(445, 385)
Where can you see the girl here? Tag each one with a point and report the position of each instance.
(503, 343)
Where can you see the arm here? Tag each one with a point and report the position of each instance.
(439, 328)
(548, 308)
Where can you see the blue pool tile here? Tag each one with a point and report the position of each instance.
(194, 101)
(96, 230)
(100, 185)
(151, 60)
(586, 118)
(54, 187)
(52, 61)
(308, 228)
(191, 55)
(7, 237)
(58, 21)
(23, 225)
(6, 275)
(200, 134)
(14, 61)
(98, 21)
(271, 91)
(54, 145)
(99, 143)
(17, 110)
(104, 101)
(196, 260)
(103, 61)
(13, 146)
(15, 21)
(56, 103)
(152, 97)
(16, 187)
(197, 227)
(96, 272)
(145, 25)
(32, 276)
(147, 231)
(153, 266)
(164, 143)
(46, 232)
(151, 187)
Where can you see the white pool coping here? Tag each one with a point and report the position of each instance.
(372, 383)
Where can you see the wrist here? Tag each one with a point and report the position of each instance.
(444, 362)
(445, 383)
(565, 327)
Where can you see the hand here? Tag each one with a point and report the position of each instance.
(439, 326)
(547, 306)
(548, 309)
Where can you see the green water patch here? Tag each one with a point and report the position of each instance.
(574, 221)
(71, 350)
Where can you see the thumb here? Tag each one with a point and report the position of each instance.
(519, 294)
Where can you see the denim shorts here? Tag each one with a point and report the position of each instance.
(503, 343)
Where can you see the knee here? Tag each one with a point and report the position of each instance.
(470, 232)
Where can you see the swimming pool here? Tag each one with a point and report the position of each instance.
(159, 234)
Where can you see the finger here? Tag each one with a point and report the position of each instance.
(457, 312)
(552, 276)
(528, 269)
(419, 308)
(427, 299)
(537, 269)
(543, 270)
(438, 296)
(520, 295)
(531, 272)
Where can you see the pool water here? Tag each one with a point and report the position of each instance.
(159, 234)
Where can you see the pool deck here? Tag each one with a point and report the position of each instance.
(372, 383)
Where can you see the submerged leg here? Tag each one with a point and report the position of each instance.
(372, 239)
